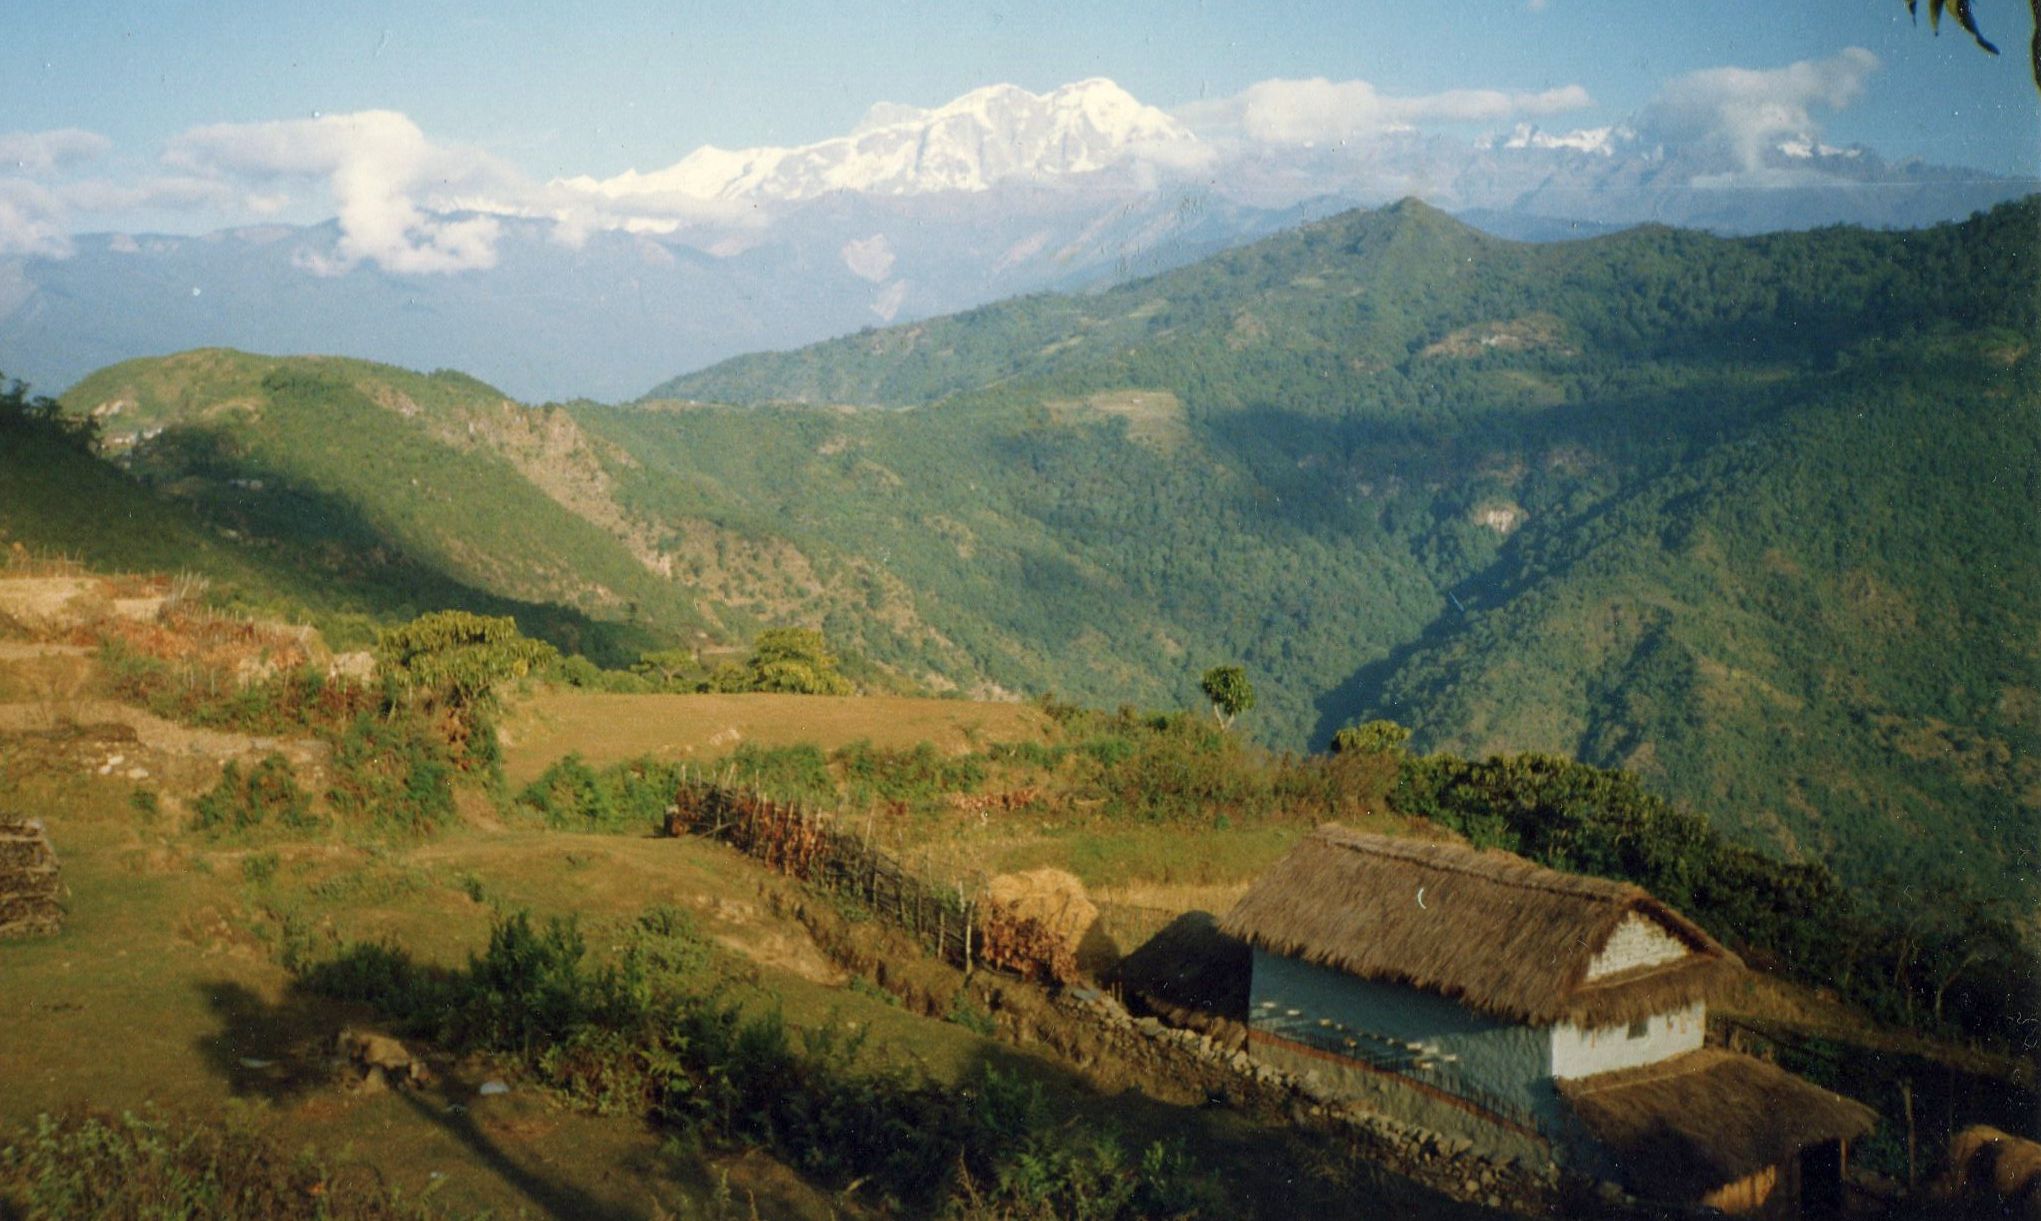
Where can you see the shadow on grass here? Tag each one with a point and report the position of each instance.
(1263, 1169)
(284, 1051)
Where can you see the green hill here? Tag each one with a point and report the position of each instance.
(360, 493)
(1752, 517)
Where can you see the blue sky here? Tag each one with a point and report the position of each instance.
(556, 90)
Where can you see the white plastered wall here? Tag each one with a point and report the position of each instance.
(1637, 942)
(1604, 1049)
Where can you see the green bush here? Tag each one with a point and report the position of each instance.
(391, 768)
(97, 1165)
(917, 775)
(651, 1033)
(265, 795)
(302, 699)
(626, 797)
(456, 657)
(787, 773)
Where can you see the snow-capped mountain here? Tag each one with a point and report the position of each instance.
(985, 137)
(604, 287)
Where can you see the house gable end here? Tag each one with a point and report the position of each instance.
(1637, 943)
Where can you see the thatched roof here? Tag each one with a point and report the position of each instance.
(1693, 1123)
(1491, 930)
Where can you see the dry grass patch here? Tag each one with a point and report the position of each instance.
(605, 728)
(1155, 418)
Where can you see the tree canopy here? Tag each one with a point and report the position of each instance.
(1229, 690)
(457, 656)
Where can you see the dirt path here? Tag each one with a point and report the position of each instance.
(153, 732)
(16, 650)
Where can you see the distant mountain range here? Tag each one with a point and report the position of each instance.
(916, 213)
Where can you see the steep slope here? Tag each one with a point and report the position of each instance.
(1820, 629)
(1362, 294)
(1751, 516)
(387, 483)
(59, 499)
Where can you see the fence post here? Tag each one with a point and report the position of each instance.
(964, 909)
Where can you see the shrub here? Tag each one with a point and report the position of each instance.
(456, 657)
(788, 773)
(391, 768)
(652, 1033)
(97, 1165)
(919, 775)
(626, 797)
(267, 794)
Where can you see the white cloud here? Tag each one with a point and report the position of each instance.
(177, 191)
(37, 152)
(1743, 112)
(387, 180)
(1319, 111)
(32, 220)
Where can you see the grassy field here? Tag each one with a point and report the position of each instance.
(166, 993)
(604, 728)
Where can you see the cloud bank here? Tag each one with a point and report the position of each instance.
(382, 174)
(412, 205)
(1743, 113)
(36, 152)
(1319, 111)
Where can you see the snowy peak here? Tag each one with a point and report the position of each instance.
(986, 136)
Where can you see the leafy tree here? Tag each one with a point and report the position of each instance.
(795, 660)
(668, 667)
(1372, 738)
(38, 414)
(457, 656)
(1230, 692)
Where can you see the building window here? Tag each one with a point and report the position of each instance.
(1640, 1028)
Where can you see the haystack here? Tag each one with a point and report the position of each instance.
(1995, 1168)
(29, 886)
(1037, 919)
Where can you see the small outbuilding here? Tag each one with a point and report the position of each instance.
(1531, 1012)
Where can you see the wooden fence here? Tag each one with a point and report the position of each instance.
(809, 847)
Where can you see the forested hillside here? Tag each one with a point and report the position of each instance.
(1751, 517)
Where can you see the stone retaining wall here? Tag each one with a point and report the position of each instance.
(30, 890)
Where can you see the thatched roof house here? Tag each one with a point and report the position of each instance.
(1691, 1124)
(1532, 1011)
(1491, 930)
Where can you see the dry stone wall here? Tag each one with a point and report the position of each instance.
(30, 889)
